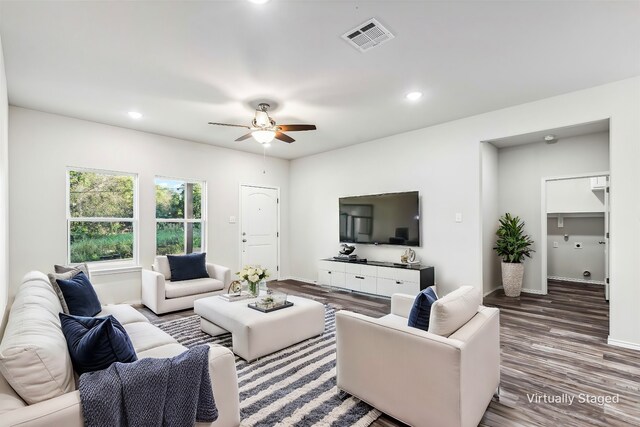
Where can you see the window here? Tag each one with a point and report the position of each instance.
(180, 227)
(101, 216)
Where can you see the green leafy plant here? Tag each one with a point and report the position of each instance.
(512, 244)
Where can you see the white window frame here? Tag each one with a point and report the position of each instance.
(203, 213)
(106, 264)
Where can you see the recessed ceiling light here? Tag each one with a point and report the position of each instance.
(258, 1)
(414, 96)
(135, 115)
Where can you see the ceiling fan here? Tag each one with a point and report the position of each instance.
(264, 129)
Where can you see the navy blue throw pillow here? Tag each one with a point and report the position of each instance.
(96, 342)
(80, 296)
(421, 310)
(187, 267)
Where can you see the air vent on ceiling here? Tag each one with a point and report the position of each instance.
(368, 35)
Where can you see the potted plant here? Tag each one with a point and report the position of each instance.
(512, 246)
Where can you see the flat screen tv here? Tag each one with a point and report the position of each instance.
(381, 219)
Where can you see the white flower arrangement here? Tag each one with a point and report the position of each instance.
(253, 274)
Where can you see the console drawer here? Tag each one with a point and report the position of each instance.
(388, 287)
(400, 274)
(331, 266)
(361, 270)
(360, 283)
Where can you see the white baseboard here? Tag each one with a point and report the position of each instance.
(624, 344)
(571, 279)
(533, 291)
(492, 291)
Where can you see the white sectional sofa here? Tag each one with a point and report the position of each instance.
(162, 295)
(37, 385)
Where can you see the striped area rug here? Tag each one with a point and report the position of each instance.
(293, 387)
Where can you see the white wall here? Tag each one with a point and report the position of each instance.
(443, 163)
(428, 161)
(573, 196)
(521, 169)
(567, 262)
(4, 190)
(491, 274)
(43, 145)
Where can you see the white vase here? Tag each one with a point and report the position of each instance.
(512, 274)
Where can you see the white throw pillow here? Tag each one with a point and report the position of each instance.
(161, 265)
(33, 354)
(451, 312)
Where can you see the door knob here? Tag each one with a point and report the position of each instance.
(244, 240)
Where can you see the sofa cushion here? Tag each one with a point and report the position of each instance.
(33, 353)
(453, 310)
(80, 296)
(9, 399)
(161, 265)
(144, 336)
(187, 267)
(123, 313)
(96, 342)
(167, 350)
(421, 310)
(192, 287)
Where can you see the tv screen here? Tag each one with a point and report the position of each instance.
(381, 219)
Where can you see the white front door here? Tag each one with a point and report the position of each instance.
(259, 228)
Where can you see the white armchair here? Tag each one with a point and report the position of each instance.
(161, 295)
(418, 377)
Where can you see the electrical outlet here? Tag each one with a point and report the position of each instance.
(556, 245)
(577, 245)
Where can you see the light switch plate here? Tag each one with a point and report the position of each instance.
(232, 220)
(555, 244)
(458, 217)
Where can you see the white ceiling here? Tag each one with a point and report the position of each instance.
(185, 63)
(559, 133)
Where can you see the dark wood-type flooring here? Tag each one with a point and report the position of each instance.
(554, 344)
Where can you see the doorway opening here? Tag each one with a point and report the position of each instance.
(515, 172)
(576, 248)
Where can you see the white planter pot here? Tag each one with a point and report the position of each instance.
(512, 274)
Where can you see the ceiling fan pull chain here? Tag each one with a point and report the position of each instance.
(264, 160)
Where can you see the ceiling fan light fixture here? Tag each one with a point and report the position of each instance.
(263, 136)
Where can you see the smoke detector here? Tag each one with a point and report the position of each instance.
(368, 35)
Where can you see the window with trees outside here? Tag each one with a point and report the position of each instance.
(180, 225)
(101, 216)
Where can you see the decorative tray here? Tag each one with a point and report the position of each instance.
(268, 309)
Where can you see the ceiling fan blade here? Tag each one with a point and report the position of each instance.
(229, 124)
(282, 137)
(243, 137)
(295, 128)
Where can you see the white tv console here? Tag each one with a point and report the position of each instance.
(373, 277)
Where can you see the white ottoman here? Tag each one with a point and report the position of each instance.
(256, 334)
